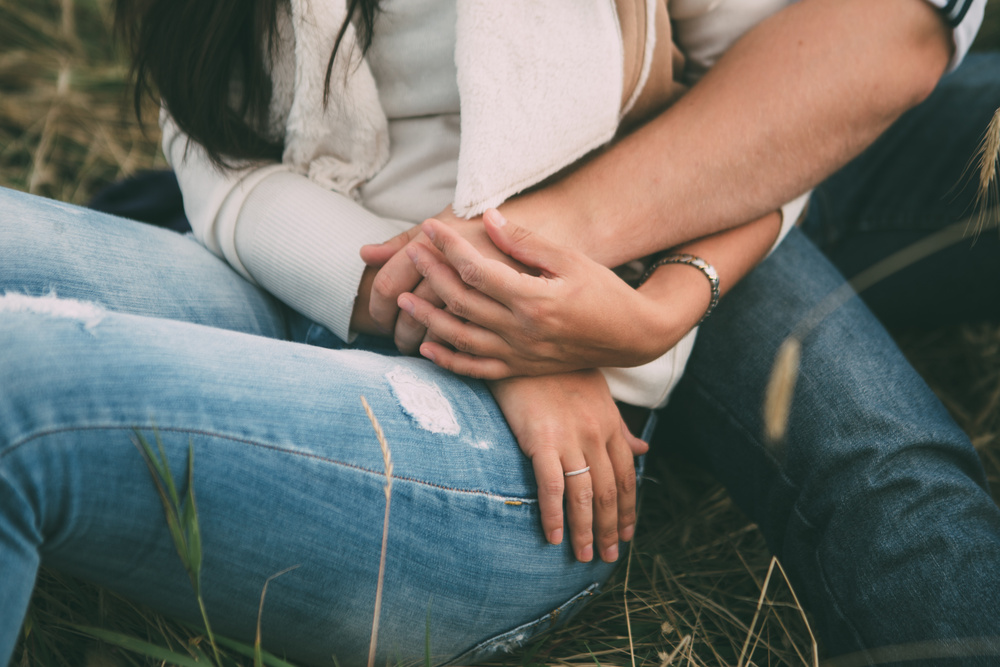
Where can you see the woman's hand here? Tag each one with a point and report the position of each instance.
(396, 274)
(501, 323)
(569, 422)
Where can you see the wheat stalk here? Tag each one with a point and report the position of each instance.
(387, 458)
(988, 196)
(781, 386)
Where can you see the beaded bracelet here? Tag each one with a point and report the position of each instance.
(696, 262)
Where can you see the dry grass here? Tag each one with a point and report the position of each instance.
(697, 567)
(66, 125)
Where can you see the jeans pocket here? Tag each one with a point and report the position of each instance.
(511, 640)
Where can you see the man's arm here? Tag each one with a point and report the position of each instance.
(797, 97)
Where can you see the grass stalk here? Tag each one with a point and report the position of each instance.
(182, 517)
(258, 650)
(628, 616)
(387, 458)
(988, 194)
(778, 398)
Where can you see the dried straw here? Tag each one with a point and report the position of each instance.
(988, 195)
(387, 458)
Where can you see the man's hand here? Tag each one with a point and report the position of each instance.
(396, 274)
(500, 322)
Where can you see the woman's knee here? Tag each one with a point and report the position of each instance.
(53, 248)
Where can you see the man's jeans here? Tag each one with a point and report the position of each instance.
(875, 504)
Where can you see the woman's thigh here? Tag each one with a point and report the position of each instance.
(287, 473)
(876, 500)
(51, 248)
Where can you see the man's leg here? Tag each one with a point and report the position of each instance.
(875, 503)
(918, 177)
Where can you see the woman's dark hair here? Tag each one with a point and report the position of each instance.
(206, 60)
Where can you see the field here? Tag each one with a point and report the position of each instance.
(695, 589)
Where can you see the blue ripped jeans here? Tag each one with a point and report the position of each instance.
(287, 469)
(876, 504)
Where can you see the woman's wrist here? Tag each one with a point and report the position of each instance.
(361, 319)
(675, 298)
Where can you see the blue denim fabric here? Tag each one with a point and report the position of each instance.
(917, 178)
(876, 504)
(287, 470)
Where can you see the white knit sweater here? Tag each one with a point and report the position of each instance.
(532, 86)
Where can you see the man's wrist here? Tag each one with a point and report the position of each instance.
(555, 212)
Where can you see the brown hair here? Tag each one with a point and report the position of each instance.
(205, 59)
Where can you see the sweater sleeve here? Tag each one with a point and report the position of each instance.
(278, 229)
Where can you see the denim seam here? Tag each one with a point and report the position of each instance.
(517, 499)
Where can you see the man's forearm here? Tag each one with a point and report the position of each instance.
(796, 98)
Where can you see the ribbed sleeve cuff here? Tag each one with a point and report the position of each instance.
(300, 242)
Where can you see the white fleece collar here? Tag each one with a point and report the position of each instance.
(344, 142)
(540, 86)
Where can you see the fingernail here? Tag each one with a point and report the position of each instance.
(587, 553)
(430, 231)
(412, 253)
(498, 218)
(611, 554)
(406, 304)
(628, 532)
(555, 537)
(428, 354)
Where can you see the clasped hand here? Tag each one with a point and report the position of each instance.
(563, 422)
(487, 316)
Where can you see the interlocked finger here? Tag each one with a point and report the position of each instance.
(463, 336)
(491, 277)
(463, 301)
(409, 332)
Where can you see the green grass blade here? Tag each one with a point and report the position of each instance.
(156, 468)
(168, 477)
(268, 659)
(170, 510)
(191, 529)
(139, 646)
(594, 657)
